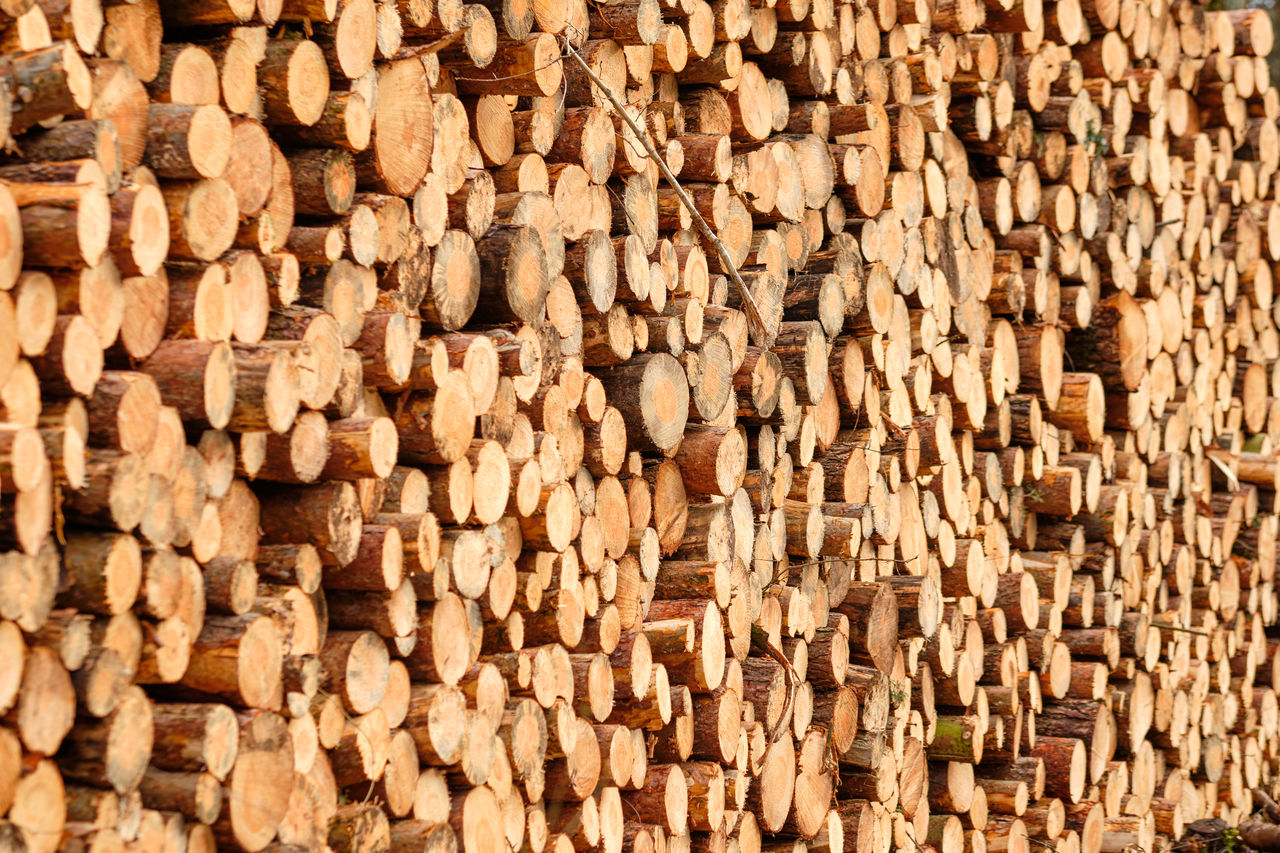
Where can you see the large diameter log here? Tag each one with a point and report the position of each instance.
(438, 427)
(113, 493)
(124, 409)
(957, 739)
(712, 460)
(514, 276)
(771, 795)
(1253, 33)
(198, 378)
(116, 748)
(705, 667)
(237, 658)
(443, 650)
(46, 702)
(475, 819)
(46, 83)
(1081, 406)
(1115, 343)
(202, 218)
(1040, 362)
(528, 68)
(195, 735)
(257, 796)
(1066, 766)
(919, 604)
(652, 393)
(663, 798)
(873, 622)
(72, 361)
(455, 282)
(295, 81)
(360, 448)
(188, 142)
(266, 389)
(139, 231)
(327, 515)
(403, 130)
(103, 572)
(355, 666)
(65, 225)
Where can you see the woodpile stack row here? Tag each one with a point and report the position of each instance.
(390, 462)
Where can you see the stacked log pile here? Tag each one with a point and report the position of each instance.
(388, 461)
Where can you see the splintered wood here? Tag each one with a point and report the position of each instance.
(389, 462)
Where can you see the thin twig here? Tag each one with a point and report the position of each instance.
(1166, 627)
(754, 320)
(761, 644)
